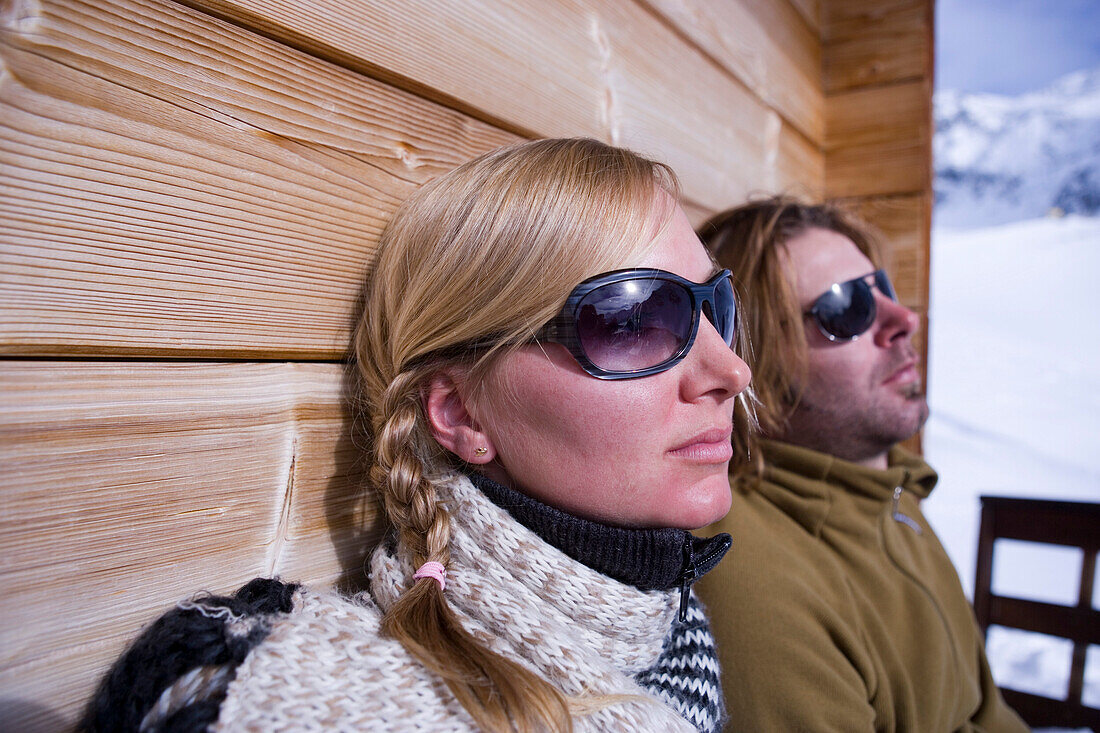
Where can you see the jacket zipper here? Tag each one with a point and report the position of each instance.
(902, 518)
(687, 576)
(691, 567)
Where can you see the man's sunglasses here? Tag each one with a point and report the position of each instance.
(846, 310)
(638, 322)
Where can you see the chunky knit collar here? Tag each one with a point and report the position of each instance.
(648, 559)
(582, 630)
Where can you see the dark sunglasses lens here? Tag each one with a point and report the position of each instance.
(847, 309)
(634, 324)
(724, 317)
(882, 282)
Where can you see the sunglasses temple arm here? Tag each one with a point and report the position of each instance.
(553, 330)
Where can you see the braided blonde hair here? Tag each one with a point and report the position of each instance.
(469, 267)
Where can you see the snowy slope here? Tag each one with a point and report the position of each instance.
(1014, 370)
(1014, 348)
(1000, 159)
(1014, 387)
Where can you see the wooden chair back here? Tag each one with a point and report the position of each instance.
(1067, 523)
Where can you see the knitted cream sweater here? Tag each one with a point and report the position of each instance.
(326, 667)
(278, 657)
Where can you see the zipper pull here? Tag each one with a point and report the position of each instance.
(901, 518)
(686, 578)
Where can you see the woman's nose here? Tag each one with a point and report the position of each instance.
(716, 367)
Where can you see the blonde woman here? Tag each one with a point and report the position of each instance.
(547, 365)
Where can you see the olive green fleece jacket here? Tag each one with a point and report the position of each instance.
(837, 610)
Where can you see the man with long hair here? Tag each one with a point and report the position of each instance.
(838, 608)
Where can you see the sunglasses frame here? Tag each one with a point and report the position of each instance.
(881, 283)
(562, 328)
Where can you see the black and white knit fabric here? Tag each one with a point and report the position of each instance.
(279, 657)
(686, 676)
(174, 677)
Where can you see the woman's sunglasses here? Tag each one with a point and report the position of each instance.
(846, 310)
(638, 322)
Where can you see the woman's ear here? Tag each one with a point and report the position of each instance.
(451, 422)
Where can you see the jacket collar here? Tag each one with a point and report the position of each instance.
(803, 481)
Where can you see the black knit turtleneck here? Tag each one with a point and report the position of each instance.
(648, 559)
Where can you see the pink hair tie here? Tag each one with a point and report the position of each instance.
(433, 569)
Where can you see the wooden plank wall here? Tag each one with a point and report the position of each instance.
(189, 195)
(878, 82)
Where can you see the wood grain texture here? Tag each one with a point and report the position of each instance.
(800, 166)
(714, 133)
(608, 70)
(206, 179)
(127, 487)
(767, 46)
(173, 185)
(876, 42)
(904, 223)
(810, 10)
(878, 140)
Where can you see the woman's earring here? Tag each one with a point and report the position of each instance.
(481, 451)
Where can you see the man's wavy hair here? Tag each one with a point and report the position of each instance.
(749, 239)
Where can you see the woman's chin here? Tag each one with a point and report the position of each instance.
(703, 503)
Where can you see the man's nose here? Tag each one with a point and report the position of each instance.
(894, 321)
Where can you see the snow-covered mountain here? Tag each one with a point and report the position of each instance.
(1000, 159)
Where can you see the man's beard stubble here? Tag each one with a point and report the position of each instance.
(856, 432)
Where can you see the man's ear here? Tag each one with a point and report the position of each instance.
(451, 422)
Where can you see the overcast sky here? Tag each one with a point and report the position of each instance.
(1013, 46)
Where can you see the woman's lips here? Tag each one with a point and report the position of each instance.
(711, 446)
